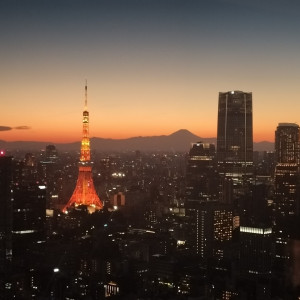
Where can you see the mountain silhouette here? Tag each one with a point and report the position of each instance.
(180, 141)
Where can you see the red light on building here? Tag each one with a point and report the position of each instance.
(2, 153)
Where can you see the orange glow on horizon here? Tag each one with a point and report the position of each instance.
(70, 137)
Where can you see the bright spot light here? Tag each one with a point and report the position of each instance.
(56, 270)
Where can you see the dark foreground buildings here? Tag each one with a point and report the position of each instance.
(5, 220)
(287, 204)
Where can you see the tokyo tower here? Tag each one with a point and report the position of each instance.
(84, 192)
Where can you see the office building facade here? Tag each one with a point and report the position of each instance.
(287, 146)
(201, 176)
(6, 199)
(235, 134)
(286, 177)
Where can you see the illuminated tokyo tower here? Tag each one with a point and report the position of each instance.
(84, 192)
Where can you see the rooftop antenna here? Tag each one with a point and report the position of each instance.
(85, 102)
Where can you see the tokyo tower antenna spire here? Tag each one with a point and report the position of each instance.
(85, 101)
(84, 192)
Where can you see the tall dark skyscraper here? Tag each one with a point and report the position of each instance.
(286, 198)
(29, 217)
(211, 229)
(201, 190)
(201, 177)
(287, 145)
(255, 261)
(6, 198)
(235, 134)
(286, 177)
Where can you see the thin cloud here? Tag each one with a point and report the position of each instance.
(22, 127)
(8, 128)
(5, 128)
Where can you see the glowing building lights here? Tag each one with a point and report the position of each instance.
(256, 230)
(24, 231)
(84, 193)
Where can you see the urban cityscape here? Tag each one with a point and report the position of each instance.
(218, 222)
(149, 149)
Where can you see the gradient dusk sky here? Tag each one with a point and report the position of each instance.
(153, 66)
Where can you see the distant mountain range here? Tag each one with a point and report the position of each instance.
(178, 141)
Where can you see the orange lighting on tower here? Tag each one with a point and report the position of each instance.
(84, 192)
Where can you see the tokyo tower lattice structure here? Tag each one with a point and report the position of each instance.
(84, 192)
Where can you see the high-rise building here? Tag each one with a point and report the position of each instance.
(235, 134)
(286, 198)
(201, 190)
(25, 171)
(6, 199)
(51, 153)
(286, 178)
(85, 193)
(235, 150)
(51, 175)
(29, 217)
(211, 228)
(255, 250)
(286, 181)
(287, 143)
(255, 264)
(201, 176)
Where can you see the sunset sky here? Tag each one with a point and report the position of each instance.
(153, 66)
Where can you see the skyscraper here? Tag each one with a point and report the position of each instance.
(209, 222)
(286, 197)
(287, 143)
(201, 177)
(6, 199)
(235, 134)
(286, 179)
(29, 217)
(85, 193)
(255, 261)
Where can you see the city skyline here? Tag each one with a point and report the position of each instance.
(153, 67)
